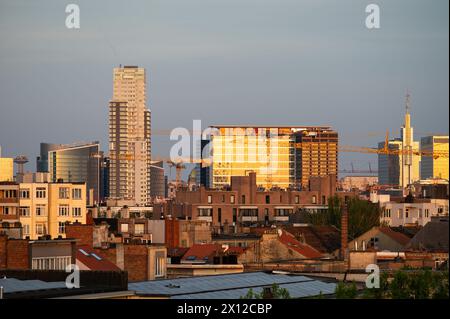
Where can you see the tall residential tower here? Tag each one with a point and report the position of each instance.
(129, 136)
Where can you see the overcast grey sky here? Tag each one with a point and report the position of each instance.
(224, 62)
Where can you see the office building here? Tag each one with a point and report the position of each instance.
(129, 137)
(77, 163)
(401, 166)
(284, 157)
(157, 185)
(434, 166)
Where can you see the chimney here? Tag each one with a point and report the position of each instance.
(344, 232)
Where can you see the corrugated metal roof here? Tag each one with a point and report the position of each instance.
(231, 286)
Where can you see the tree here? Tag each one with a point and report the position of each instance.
(346, 291)
(362, 215)
(276, 293)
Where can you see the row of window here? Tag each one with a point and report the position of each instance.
(387, 213)
(41, 210)
(297, 199)
(41, 192)
(51, 263)
(41, 229)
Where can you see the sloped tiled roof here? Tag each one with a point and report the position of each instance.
(400, 238)
(303, 249)
(94, 260)
(206, 252)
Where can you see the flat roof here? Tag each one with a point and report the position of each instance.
(231, 286)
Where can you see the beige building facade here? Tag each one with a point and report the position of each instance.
(129, 136)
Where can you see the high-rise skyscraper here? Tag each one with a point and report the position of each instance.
(434, 166)
(129, 136)
(284, 157)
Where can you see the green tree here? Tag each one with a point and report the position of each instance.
(276, 291)
(362, 215)
(346, 291)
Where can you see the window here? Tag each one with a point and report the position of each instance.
(26, 229)
(76, 211)
(63, 192)
(243, 199)
(420, 213)
(51, 263)
(427, 213)
(138, 229)
(205, 212)
(219, 215)
(267, 199)
(159, 267)
(314, 199)
(406, 212)
(41, 192)
(61, 227)
(24, 193)
(297, 199)
(234, 215)
(232, 199)
(209, 199)
(223, 198)
(40, 210)
(40, 229)
(24, 211)
(63, 210)
(124, 228)
(76, 193)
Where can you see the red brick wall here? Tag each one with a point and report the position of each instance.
(3, 241)
(84, 233)
(136, 262)
(18, 254)
(172, 233)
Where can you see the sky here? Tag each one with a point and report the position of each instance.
(278, 62)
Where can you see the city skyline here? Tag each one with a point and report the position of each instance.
(243, 73)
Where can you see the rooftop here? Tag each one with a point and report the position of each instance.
(231, 286)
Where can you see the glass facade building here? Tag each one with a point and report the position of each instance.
(77, 163)
(284, 157)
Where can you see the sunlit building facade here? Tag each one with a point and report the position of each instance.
(434, 166)
(6, 169)
(129, 137)
(284, 157)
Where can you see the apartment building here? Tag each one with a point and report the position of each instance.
(43, 208)
(419, 212)
(129, 137)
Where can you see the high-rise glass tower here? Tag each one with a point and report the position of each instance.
(284, 157)
(129, 136)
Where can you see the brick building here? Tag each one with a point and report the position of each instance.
(40, 254)
(141, 261)
(245, 204)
